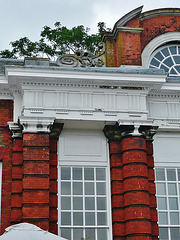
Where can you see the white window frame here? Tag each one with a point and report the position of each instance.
(155, 44)
(94, 164)
(167, 196)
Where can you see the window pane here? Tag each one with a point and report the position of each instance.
(174, 233)
(161, 188)
(90, 233)
(89, 203)
(100, 174)
(65, 173)
(77, 188)
(172, 189)
(65, 203)
(77, 218)
(163, 218)
(173, 50)
(77, 203)
(160, 176)
(168, 62)
(77, 233)
(77, 173)
(101, 203)
(162, 205)
(65, 218)
(102, 234)
(171, 175)
(88, 174)
(66, 233)
(101, 218)
(89, 188)
(89, 218)
(66, 188)
(163, 234)
(101, 188)
(174, 218)
(173, 203)
(165, 52)
(159, 56)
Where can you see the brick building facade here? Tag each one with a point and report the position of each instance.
(77, 143)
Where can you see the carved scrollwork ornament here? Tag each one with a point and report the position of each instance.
(83, 58)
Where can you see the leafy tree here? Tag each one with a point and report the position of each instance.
(56, 41)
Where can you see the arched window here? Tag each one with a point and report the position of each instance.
(167, 58)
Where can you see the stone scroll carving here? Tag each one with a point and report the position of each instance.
(83, 59)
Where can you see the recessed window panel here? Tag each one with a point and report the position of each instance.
(89, 218)
(77, 188)
(161, 188)
(163, 218)
(172, 189)
(77, 218)
(65, 173)
(66, 203)
(163, 233)
(77, 173)
(89, 174)
(77, 203)
(168, 203)
(77, 233)
(171, 175)
(65, 218)
(83, 203)
(167, 58)
(90, 233)
(162, 203)
(160, 174)
(89, 188)
(173, 203)
(101, 188)
(65, 188)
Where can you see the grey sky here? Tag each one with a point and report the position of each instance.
(22, 18)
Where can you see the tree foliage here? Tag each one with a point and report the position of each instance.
(56, 41)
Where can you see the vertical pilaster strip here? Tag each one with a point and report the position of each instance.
(53, 177)
(53, 190)
(136, 188)
(17, 170)
(35, 196)
(116, 174)
(151, 181)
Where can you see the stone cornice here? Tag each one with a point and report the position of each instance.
(160, 12)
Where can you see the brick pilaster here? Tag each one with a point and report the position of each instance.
(35, 184)
(17, 175)
(134, 214)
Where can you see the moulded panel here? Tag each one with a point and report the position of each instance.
(50, 99)
(122, 102)
(167, 149)
(28, 99)
(98, 101)
(74, 100)
(158, 109)
(82, 145)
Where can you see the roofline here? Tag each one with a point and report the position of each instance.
(159, 12)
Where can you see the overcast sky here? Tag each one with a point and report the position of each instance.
(20, 18)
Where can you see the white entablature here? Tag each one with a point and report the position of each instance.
(92, 94)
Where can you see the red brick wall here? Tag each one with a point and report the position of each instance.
(156, 26)
(35, 182)
(6, 115)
